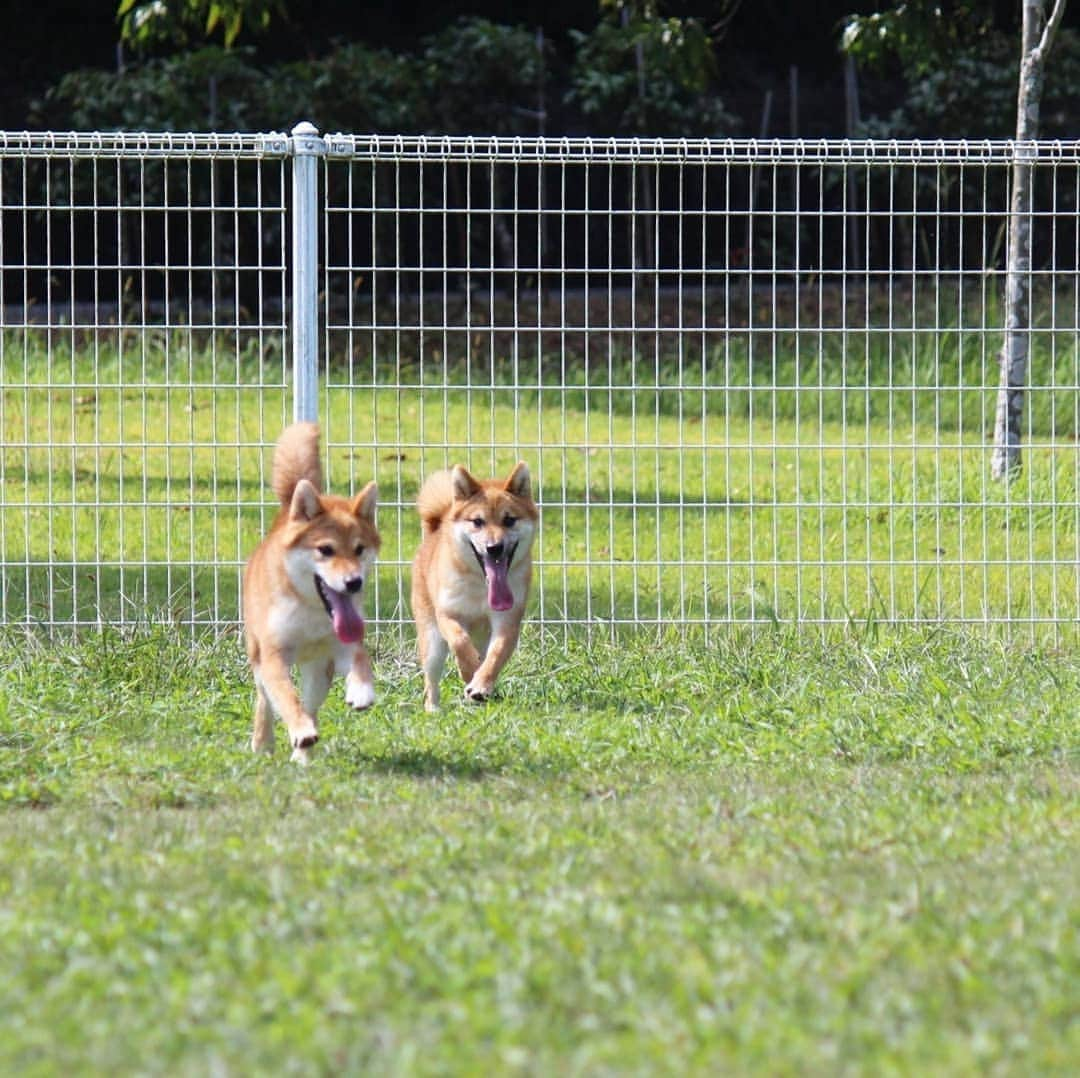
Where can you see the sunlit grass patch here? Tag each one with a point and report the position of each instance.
(760, 854)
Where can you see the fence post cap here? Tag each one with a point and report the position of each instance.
(306, 139)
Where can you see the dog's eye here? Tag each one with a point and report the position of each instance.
(509, 521)
(477, 522)
(359, 549)
(326, 550)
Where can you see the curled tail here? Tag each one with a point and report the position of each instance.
(435, 499)
(296, 457)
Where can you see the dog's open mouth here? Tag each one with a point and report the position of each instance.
(496, 570)
(348, 624)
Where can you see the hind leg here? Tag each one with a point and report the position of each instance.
(315, 679)
(262, 733)
(433, 651)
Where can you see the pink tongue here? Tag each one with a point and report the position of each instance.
(348, 625)
(500, 597)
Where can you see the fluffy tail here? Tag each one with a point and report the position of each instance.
(435, 499)
(296, 457)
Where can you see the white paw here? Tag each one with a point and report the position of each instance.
(477, 691)
(303, 735)
(359, 694)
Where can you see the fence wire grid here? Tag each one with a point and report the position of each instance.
(754, 381)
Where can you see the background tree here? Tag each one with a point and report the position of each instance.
(639, 73)
(1038, 37)
(201, 90)
(480, 77)
(953, 69)
(957, 61)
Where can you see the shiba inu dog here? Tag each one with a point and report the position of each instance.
(471, 575)
(303, 595)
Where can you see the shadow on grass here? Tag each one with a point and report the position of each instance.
(430, 764)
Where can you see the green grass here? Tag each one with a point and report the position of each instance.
(762, 483)
(773, 854)
(702, 851)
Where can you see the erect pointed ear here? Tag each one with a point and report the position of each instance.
(363, 505)
(519, 482)
(305, 502)
(464, 484)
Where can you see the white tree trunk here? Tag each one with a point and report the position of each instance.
(1037, 36)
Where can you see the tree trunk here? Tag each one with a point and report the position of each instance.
(1037, 36)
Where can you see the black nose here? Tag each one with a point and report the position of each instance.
(354, 584)
(495, 550)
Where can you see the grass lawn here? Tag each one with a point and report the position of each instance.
(135, 481)
(775, 854)
(846, 849)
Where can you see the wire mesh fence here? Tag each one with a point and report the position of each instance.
(143, 297)
(755, 382)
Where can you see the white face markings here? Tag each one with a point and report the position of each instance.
(329, 566)
(495, 565)
(343, 565)
(482, 526)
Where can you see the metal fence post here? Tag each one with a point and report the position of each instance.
(307, 148)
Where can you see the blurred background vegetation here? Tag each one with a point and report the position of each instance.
(774, 68)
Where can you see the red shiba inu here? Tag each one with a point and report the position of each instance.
(303, 595)
(471, 575)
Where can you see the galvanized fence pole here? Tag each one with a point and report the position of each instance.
(307, 148)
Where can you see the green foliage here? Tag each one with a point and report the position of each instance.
(474, 76)
(167, 94)
(922, 34)
(182, 23)
(980, 81)
(352, 88)
(647, 76)
(961, 70)
(481, 77)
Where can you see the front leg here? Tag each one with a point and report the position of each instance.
(273, 680)
(454, 633)
(504, 638)
(360, 681)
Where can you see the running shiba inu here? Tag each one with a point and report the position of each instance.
(471, 575)
(303, 595)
